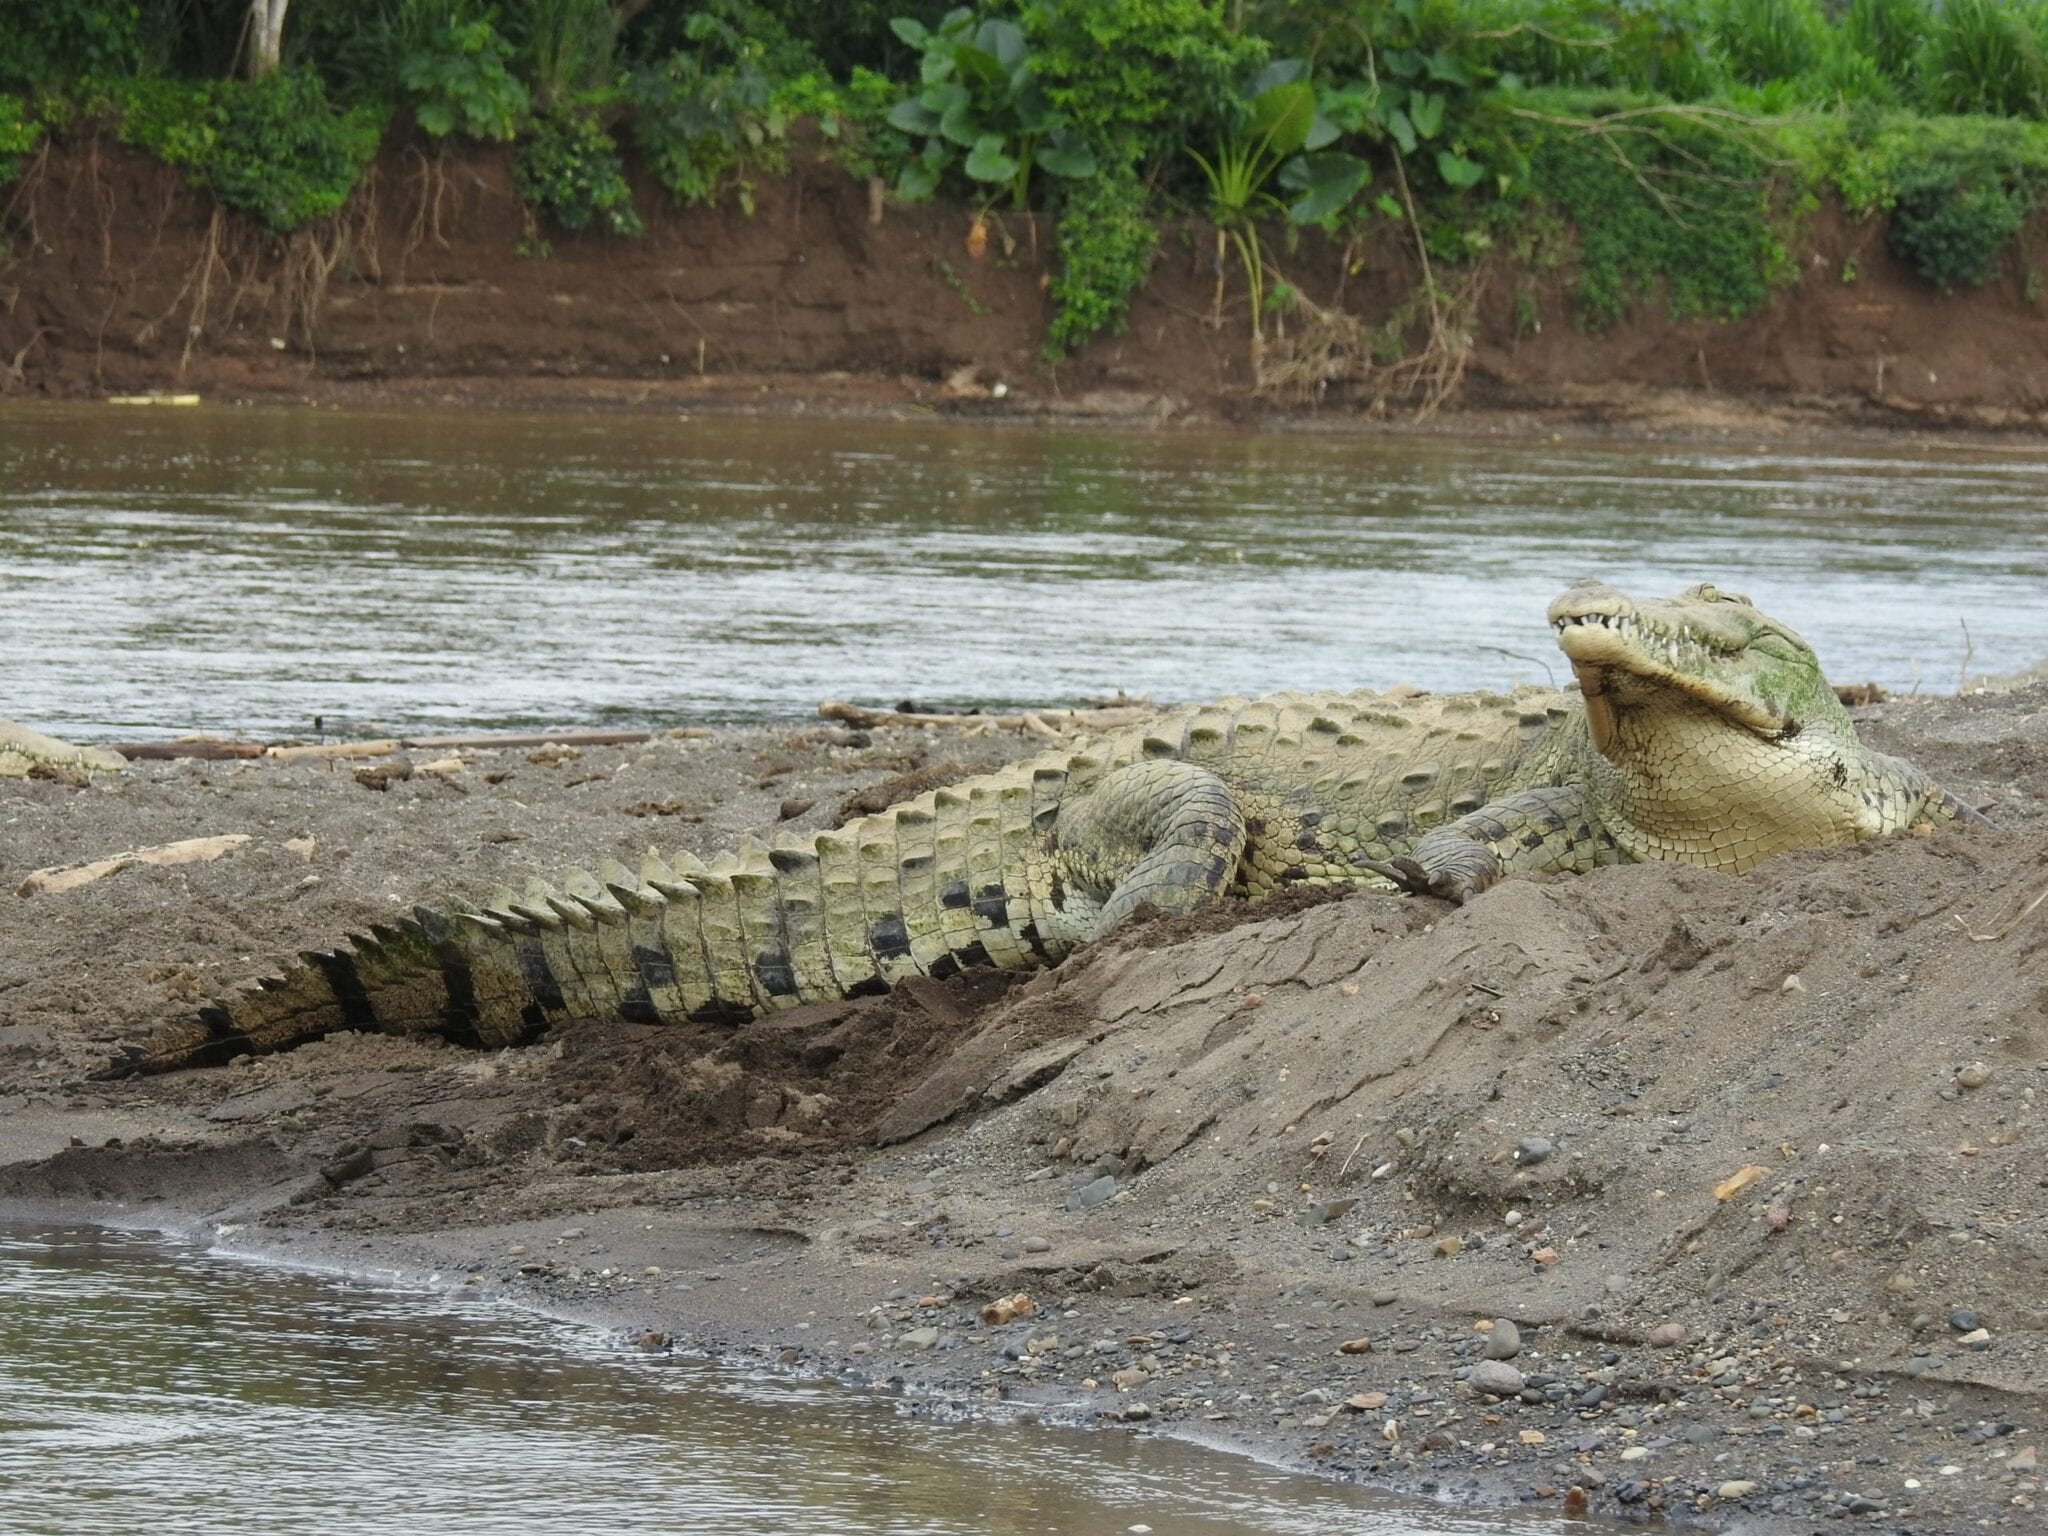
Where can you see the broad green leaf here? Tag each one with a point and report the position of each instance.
(1066, 157)
(1386, 204)
(1426, 112)
(1401, 129)
(1004, 40)
(1321, 133)
(1448, 68)
(436, 117)
(913, 116)
(916, 181)
(987, 162)
(957, 122)
(1282, 116)
(979, 64)
(911, 30)
(1457, 170)
(1401, 63)
(1278, 72)
(1327, 183)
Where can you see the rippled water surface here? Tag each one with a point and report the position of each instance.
(149, 1388)
(249, 570)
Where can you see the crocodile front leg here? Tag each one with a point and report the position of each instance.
(1163, 833)
(1539, 831)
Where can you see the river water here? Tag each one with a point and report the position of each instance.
(250, 570)
(148, 1389)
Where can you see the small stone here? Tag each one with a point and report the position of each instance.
(919, 1338)
(1504, 1342)
(1545, 1256)
(1664, 1335)
(1977, 1338)
(1385, 1298)
(1448, 1247)
(1635, 1453)
(2025, 1459)
(1531, 1150)
(1975, 1075)
(1355, 1347)
(1963, 1320)
(1366, 1402)
(1735, 1488)
(1091, 1194)
(1496, 1377)
(1325, 1211)
(1037, 1245)
(1532, 1437)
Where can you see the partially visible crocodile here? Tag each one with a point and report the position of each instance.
(23, 751)
(1703, 731)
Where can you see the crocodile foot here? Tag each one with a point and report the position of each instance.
(1457, 880)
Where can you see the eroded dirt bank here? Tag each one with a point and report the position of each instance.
(116, 278)
(1261, 1174)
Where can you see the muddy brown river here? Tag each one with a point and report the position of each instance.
(165, 570)
(151, 1388)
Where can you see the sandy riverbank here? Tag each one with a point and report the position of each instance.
(1235, 1079)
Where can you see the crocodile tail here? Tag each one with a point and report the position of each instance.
(454, 972)
(930, 888)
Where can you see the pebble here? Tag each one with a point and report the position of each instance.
(1635, 1453)
(1975, 1075)
(920, 1338)
(2025, 1459)
(1385, 1298)
(1037, 1245)
(1531, 1150)
(1448, 1247)
(1505, 1341)
(1496, 1377)
(1664, 1335)
(1735, 1488)
(1963, 1320)
(1092, 1194)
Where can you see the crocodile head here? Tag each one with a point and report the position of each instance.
(1707, 649)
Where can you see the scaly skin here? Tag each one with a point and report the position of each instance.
(22, 751)
(1705, 733)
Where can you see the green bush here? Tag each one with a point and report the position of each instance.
(1104, 253)
(1984, 57)
(1764, 40)
(272, 147)
(570, 167)
(47, 43)
(1954, 223)
(458, 83)
(562, 46)
(1684, 209)
(1958, 190)
(18, 135)
(981, 111)
(1889, 33)
(703, 128)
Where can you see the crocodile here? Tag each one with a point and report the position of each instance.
(1701, 731)
(24, 752)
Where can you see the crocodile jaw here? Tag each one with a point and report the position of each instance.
(1615, 646)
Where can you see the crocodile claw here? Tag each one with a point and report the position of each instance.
(1457, 883)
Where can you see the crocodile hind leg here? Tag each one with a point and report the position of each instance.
(1539, 831)
(1162, 833)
